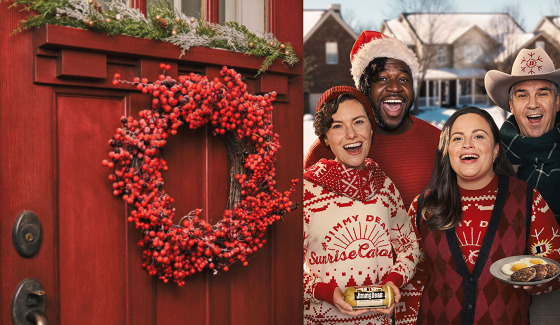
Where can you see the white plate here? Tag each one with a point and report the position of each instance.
(496, 270)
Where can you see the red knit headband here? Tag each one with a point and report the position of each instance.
(336, 91)
(333, 93)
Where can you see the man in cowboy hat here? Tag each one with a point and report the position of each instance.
(385, 70)
(531, 136)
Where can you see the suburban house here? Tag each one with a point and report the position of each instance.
(327, 42)
(549, 28)
(456, 50)
(551, 25)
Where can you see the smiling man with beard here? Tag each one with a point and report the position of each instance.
(391, 94)
(385, 70)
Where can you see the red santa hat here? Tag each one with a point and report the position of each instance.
(371, 45)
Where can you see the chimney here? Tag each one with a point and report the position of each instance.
(334, 7)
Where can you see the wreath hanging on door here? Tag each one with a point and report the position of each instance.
(244, 122)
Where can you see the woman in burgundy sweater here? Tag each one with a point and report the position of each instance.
(473, 213)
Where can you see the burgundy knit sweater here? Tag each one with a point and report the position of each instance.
(458, 291)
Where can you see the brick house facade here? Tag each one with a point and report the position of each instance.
(322, 71)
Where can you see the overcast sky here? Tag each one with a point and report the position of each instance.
(371, 13)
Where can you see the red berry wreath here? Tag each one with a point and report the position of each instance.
(244, 122)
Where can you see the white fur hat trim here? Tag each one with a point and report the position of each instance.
(384, 47)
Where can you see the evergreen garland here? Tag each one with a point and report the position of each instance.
(163, 23)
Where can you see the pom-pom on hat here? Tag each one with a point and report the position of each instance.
(371, 45)
(528, 65)
(333, 93)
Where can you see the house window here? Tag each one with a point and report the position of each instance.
(539, 44)
(479, 87)
(434, 88)
(441, 55)
(466, 87)
(332, 52)
(191, 8)
(250, 13)
(472, 54)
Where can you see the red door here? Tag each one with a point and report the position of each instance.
(58, 109)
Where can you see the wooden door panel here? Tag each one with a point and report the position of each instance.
(26, 175)
(185, 181)
(92, 228)
(289, 246)
(57, 114)
(254, 294)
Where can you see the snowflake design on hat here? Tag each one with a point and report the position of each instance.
(531, 63)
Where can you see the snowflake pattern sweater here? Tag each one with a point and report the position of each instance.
(394, 154)
(544, 239)
(348, 242)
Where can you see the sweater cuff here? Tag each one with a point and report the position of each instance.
(395, 278)
(325, 291)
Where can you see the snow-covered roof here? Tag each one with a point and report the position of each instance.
(556, 21)
(321, 18)
(310, 18)
(553, 20)
(399, 31)
(458, 32)
(444, 28)
(448, 73)
(513, 44)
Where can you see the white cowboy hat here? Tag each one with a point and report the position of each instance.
(528, 65)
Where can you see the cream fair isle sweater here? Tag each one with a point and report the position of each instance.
(347, 243)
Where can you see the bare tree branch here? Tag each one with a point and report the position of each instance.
(309, 69)
(427, 6)
(555, 10)
(432, 30)
(514, 11)
(502, 55)
(357, 25)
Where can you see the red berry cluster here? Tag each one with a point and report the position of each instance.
(174, 251)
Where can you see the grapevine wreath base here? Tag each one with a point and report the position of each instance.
(244, 122)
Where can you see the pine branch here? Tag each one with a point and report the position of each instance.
(163, 22)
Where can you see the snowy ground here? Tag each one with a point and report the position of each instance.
(434, 115)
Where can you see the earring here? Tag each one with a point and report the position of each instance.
(494, 159)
